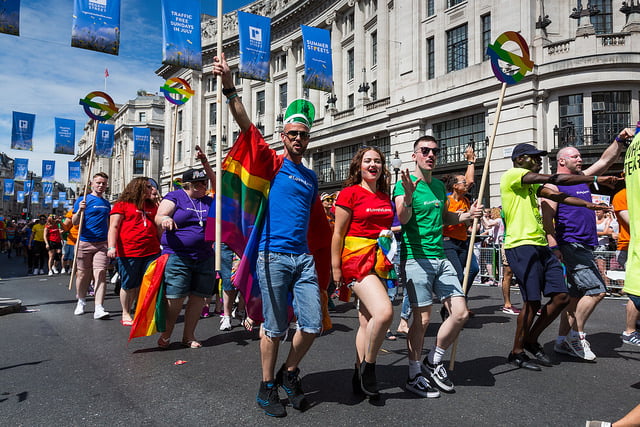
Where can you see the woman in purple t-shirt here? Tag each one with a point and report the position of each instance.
(190, 269)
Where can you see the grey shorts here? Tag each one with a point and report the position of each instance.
(426, 277)
(583, 276)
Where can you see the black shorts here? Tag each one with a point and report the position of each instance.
(537, 270)
(55, 245)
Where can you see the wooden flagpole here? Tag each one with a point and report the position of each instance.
(474, 227)
(86, 188)
(174, 126)
(218, 198)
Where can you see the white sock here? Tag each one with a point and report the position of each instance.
(582, 335)
(415, 368)
(82, 301)
(436, 354)
(559, 339)
(99, 306)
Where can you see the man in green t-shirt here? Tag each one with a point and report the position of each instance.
(421, 203)
(527, 251)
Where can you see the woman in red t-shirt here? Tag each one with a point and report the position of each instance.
(53, 242)
(362, 229)
(133, 239)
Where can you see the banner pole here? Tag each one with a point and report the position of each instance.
(174, 126)
(474, 227)
(218, 196)
(86, 188)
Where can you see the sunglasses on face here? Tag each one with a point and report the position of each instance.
(425, 150)
(293, 134)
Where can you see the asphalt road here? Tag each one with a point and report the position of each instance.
(61, 369)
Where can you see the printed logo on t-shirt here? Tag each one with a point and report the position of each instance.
(301, 180)
(582, 192)
(432, 202)
(379, 210)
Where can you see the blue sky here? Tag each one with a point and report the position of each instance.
(42, 74)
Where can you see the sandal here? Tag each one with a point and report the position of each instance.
(164, 343)
(126, 322)
(191, 343)
(248, 324)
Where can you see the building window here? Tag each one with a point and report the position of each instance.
(212, 84)
(213, 141)
(138, 167)
(348, 23)
(350, 101)
(451, 3)
(603, 21)
(374, 90)
(431, 10)
(343, 156)
(213, 113)
(350, 64)
(281, 62)
(486, 35)
(235, 135)
(179, 121)
(142, 116)
(611, 111)
(571, 129)
(374, 48)
(431, 58)
(283, 96)
(260, 103)
(179, 151)
(236, 78)
(373, 6)
(322, 166)
(455, 135)
(457, 48)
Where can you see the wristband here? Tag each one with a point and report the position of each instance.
(407, 205)
(470, 163)
(230, 97)
(229, 91)
(108, 249)
(595, 182)
(554, 248)
(165, 217)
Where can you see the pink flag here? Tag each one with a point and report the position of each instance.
(106, 73)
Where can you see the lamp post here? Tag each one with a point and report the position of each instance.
(396, 164)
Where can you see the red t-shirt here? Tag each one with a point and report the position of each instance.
(138, 236)
(53, 233)
(370, 213)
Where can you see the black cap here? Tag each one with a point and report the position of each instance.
(526, 149)
(194, 175)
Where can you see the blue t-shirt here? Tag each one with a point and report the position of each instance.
(292, 194)
(96, 218)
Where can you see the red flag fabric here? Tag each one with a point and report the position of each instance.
(106, 73)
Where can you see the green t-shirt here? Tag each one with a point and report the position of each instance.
(523, 222)
(632, 178)
(423, 232)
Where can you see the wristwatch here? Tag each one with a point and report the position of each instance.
(470, 163)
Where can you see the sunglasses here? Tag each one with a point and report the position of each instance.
(293, 134)
(425, 150)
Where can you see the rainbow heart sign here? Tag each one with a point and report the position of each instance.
(169, 91)
(106, 110)
(523, 63)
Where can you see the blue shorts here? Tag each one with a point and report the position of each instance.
(186, 276)
(583, 275)
(281, 277)
(67, 252)
(226, 260)
(635, 300)
(537, 270)
(132, 269)
(426, 277)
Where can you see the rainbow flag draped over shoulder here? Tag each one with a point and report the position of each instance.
(247, 173)
(150, 311)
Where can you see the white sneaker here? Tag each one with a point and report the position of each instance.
(588, 354)
(63, 271)
(54, 269)
(41, 271)
(50, 272)
(225, 323)
(115, 277)
(99, 313)
(577, 347)
(79, 308)
(35, 271)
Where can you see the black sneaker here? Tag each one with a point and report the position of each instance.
(439, 376)
(269, 400)
(521, 360)
(290, 382)
(538, 352)
(421, 386)
(368, 381)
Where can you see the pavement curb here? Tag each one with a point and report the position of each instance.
(9, 305)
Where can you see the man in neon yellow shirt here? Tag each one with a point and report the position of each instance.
(538, 271)
(632, 177)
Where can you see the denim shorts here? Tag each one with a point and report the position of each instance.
(187, 276)
(132, 269)
(537, 270)
(426, 277)
(583, 276)
(226, 260)
(284, 278)
(67, 252)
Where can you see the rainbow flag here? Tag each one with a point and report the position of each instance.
(247, 173)
(361, 256)
(150, 311)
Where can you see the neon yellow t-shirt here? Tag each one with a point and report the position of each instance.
(632, 177)
(523, 222)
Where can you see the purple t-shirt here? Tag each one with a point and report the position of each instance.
(188, 240)
(576, 224)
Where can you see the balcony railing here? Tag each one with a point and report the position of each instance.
(579, 137)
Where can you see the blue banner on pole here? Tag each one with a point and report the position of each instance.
(10, 17)
(9, 187)
(141, 143)
(20, 169)
(48, 170)
(65, 136)
(318, 68)
(48, 200)
(104, 140)
(47, 187)
(96, 25)
(62, 195)
(254, 32)
(181, 35)
(22, 131)
(20, 196)
(28, 186)
(35, 198)
(74, 172)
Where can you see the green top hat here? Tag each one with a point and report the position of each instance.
(300, 111)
